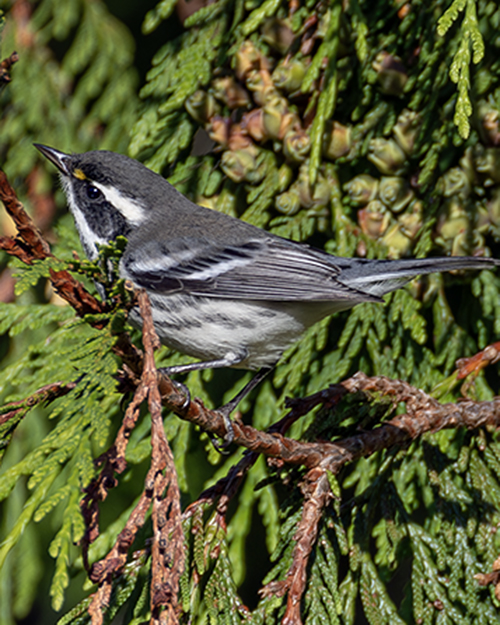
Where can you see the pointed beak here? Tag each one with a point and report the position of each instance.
(58, 158)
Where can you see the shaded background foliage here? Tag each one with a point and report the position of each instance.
(366, 128)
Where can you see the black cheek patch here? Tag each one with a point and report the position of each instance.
(105, 221)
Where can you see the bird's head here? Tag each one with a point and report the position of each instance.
(109, 194)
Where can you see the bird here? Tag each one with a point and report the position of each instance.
(221, 290)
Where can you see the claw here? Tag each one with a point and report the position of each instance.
(225, 410)
(184, 389)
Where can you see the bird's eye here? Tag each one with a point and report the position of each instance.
(93, 193)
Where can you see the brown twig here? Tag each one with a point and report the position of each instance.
(225, 488)
(316, 489)
(103, 572)
(425, 414)
(28, 232)
(488, 356)
(5, 66)
(47, 394)
(13, 413)
(97, 491)
(318, 494)
(168, 537)
(16, 247)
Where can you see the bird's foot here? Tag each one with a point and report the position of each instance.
(185, 391)
(224, 412)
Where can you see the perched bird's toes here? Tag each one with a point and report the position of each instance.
(221, 446)
(187, 395)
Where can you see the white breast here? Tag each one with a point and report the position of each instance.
(211, 329)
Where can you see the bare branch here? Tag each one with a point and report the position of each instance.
(228, 486)
(28, 232)
(488, 356)
(97, 491)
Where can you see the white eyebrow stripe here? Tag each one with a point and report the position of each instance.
(129, 208)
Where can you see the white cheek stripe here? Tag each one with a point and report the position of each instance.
(130, 209)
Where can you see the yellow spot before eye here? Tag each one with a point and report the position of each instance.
(78, 173)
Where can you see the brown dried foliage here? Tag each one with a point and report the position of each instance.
(5, 66)
(161, 492)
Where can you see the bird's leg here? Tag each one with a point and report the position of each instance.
(228, 408)
(194, 366)
(228, 361)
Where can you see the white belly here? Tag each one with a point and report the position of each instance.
(211, 329)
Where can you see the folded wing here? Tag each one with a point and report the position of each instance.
(261, 269)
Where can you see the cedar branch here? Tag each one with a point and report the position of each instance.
(46, 394)
(399, 430)
(424, 414)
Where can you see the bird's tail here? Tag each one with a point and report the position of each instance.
(378, 277)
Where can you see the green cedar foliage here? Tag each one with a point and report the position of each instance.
(414, 91)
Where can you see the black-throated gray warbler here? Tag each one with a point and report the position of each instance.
(221, 290)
